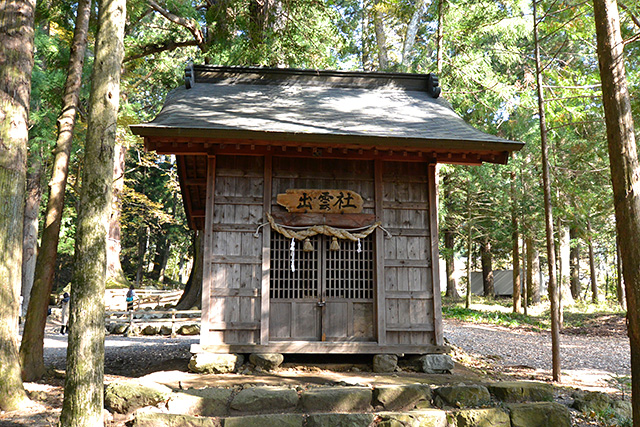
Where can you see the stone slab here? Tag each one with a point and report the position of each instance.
(262, 399)
(337, 399)
(206, 402)
(521, 391)
(485, 417)
(462, 396)
(340, 420)
(397, 397)
(277, 420)
(539, 414)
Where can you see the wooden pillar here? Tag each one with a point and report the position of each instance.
(208, 245)
(432, 182)
(266, 252)
(380, 299)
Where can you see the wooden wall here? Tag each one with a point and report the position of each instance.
(237, 263)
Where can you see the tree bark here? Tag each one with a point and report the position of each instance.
(515, 237)
(143, 243)
(192, 295)
(487, 269)
(16, 57)
(574, 263)
(625, 170)
(548, 213)
(30, 230)
(31, 348)
(83, 390)
(566, 298)
(440, 36)
(449, 240)
(412, 30)
(592, 265)
(381, 37)
(114, 268)
(533, 273)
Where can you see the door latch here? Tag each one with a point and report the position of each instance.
(321, 303)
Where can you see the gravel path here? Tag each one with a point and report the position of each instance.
(512, 347)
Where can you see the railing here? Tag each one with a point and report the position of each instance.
(133, 317)
(115, 299)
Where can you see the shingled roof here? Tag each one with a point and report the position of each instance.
(392, 111)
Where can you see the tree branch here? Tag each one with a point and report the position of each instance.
(165, 46)
(189, 24)
(631, 15)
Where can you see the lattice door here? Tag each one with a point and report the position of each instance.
(329, 295)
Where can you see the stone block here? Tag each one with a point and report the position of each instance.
(124, 397)
(279, 420)
(424, 418)
(487, 417)
(206, 402)
(158, 419)
(436, 363)
(150, 330)
(165, 329)
(337, 399)
(521, 391)
(340, 420)
(585, 401)
(539, 414)
(383, 363)
(210, 363)
(397, 397)
(262, 399)
(462, 396)
(266, 361)
(119, 328)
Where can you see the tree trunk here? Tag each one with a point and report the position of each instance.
(30, 231)
(619, 282)
(625, 171)
(515, 237)
(33, 337)
(114, 268)
(192, 296)
(412, 30)
(548, 213)
(487, 269)
(440, 36)
(592, 265)
(449, 243)
(574, 263)
(143, 243)
(83, 390)
(566, 298)
(16, 56)
(533, 272)
(381, 37)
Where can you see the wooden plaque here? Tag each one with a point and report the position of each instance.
(321, 201)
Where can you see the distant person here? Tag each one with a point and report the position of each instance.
(64, 315)
(131, 294)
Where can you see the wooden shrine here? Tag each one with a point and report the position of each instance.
(317, 194)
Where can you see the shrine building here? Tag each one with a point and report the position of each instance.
(317, 194)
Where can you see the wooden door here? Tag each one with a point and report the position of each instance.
(323, 294)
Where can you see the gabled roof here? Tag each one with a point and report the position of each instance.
(381, 111)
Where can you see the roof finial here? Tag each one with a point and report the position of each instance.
(189, 76)
(433, 85)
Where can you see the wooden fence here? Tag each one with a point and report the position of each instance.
(148, 317)
(116, 299)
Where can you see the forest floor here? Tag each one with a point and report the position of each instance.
(595, 356)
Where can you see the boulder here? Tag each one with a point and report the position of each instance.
(398, 397)
(340, 420)
(586, 401)
(336, 399)
(119, 328)
(165, 329)
(462, 396)
(521, 391)
(426, 418)
(150, 330)
(266, 361)
(280, 420)
(487, 417)
(539, 414)
(385, 363)
(210, 363)
(262, 399)
(436, 363)
(206, 402)
(192, 329)
(124, 397)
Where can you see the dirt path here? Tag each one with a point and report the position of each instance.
(586, 360)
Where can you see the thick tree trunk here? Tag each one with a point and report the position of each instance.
(574, 263)
(592, 266)
(30, 231)
(143, 243)
(515, 238)
(381, 36)
(625, 171)
(548, 212)
(533, 272)
(486, 259)
(412, 30)
(449, 245)
(114, 268)
(16, 57)
(83, 389)
(33, 337)
(192, 296)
